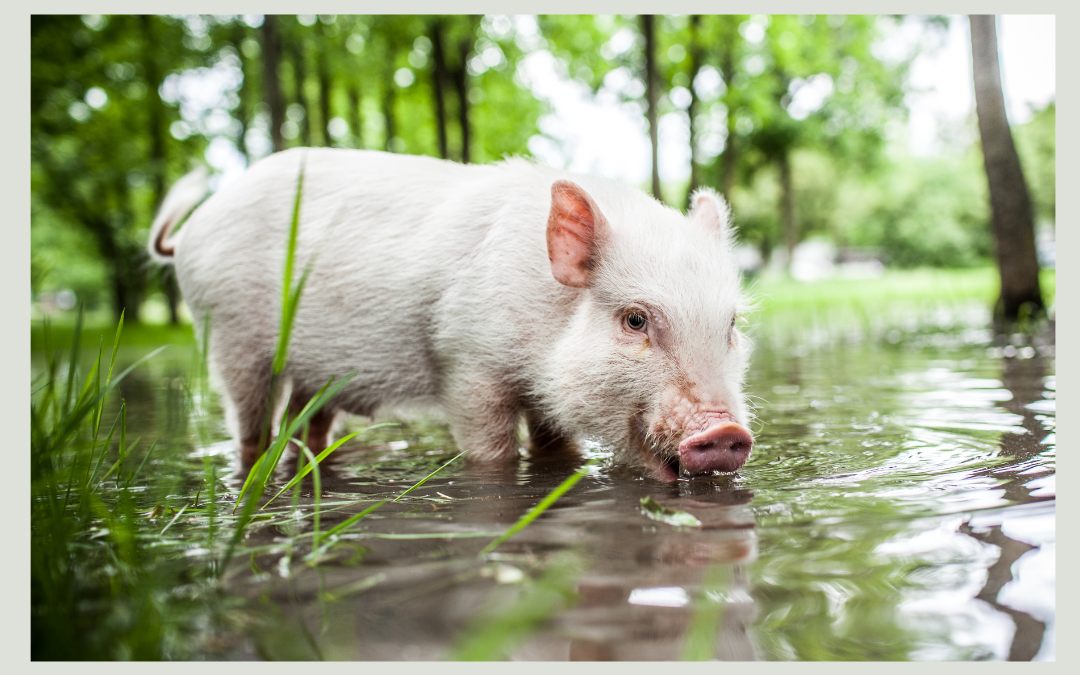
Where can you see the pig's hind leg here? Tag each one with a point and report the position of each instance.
(247, 387)
(320, 424)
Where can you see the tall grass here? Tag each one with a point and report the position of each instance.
(70, 517)
(96, 590)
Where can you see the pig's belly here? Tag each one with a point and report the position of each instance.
(388, 353)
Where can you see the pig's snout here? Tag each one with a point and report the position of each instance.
(723, 446)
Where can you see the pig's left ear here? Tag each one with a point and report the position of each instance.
(576, 230)
(710, 209)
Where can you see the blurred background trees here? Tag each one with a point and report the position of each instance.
(793, 118)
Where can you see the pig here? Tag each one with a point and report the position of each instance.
(494, 293)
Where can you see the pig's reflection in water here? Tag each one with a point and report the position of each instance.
(635, 598)
(635, 595)
(636, 601)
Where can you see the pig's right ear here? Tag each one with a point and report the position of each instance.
(712, 211)
(575, 231)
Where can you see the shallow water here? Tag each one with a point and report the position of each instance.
(898, 504)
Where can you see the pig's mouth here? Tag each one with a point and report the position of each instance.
(721, 446)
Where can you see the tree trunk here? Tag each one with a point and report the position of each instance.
(296, 52)
(388, 105)
(439, 77)
(1010, 204)
(356, 121)
(652, 97)
(352, 88)
(325, 87)
(123, 274)
(271, 51)
(696, 58)
(462, 81)
(787, 205)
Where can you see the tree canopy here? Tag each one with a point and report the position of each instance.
(790, 117)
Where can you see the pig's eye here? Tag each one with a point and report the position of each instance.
(635, 321)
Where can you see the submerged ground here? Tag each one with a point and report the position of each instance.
(899, 504)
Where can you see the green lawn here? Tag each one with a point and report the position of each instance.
(896, 297)
(932, 286)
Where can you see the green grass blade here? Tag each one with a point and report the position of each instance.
(73, 359)
(104, 449)
(175, 518)
(425, 479)
(112, 364)
(116, 346)
(535, 511)
(71, 421)
(352, 519)
(699, 643)
(345, 524)
(135, 475)
(119, 462)
(318, 496)
(248, 480)
(289, 299)
(91, 377)
(307, 468)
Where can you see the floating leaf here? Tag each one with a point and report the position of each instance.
(651, 508)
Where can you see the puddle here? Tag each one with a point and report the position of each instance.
(898, 504)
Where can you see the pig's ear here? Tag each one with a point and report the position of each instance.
(575, 231)
(710, 209)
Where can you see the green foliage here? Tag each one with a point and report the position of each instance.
(1035, 143)
(108, 136)
(933, 213)
(100, 150)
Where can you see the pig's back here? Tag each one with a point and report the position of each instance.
(385, 236)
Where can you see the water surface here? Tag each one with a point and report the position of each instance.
(898, 504)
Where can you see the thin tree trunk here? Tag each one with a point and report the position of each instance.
(271, 51)
(352, 87)
(787, 205)
(388, 106)
(356, 121)
(124, 295)
(696, 58)
(652, 97)
(1010, 203)
(325, 87)
(462, 82)
(439, 77)
(296, 52)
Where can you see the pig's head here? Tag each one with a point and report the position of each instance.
(652, 362)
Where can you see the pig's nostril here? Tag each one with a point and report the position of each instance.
(724, 448)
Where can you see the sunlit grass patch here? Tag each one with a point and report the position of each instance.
(891, 308)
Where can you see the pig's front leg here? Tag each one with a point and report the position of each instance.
(545, 439)
(483, 411)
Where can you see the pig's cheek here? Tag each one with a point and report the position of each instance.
(632, 343)
(635, 349)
